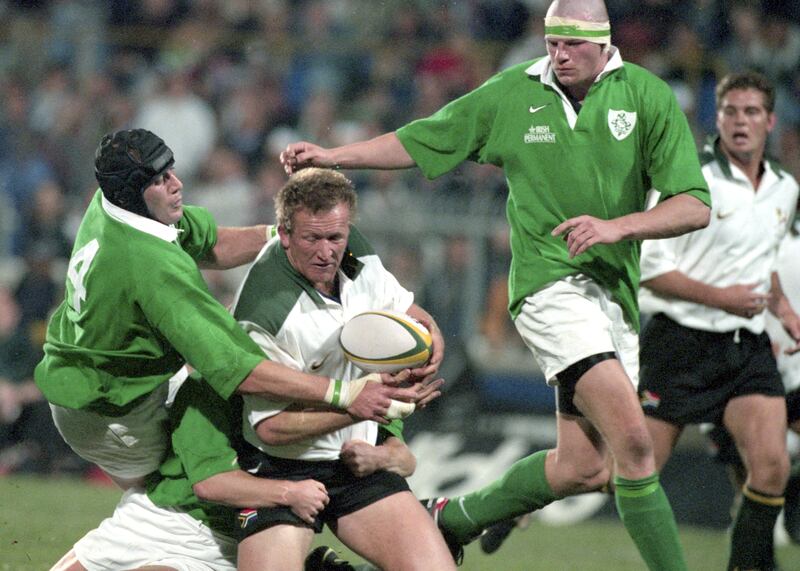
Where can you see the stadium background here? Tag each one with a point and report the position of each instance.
(228, 83)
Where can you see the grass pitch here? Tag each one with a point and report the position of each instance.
(41, 518)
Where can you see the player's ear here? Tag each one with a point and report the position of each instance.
(771, 121)
(283, 233)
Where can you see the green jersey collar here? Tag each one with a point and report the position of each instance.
(141, 223)
(542, 68)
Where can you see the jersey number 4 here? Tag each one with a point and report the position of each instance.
(76, 274)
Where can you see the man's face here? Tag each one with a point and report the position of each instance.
(744, 123)
(576, 63)
(316, 244)
(164, 199)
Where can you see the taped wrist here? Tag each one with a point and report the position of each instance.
(342, 394)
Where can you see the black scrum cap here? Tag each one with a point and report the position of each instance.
(126, 163)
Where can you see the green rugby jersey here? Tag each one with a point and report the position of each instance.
(204, 429)
(136, 306)
(630, 136)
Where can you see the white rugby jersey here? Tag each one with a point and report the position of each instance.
(298, 327)
(739, 245)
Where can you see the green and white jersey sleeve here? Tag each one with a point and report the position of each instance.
(629, 137)
(202, 437)
(136, 308)
(297, 326)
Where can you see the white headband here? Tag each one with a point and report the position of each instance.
(569, 29)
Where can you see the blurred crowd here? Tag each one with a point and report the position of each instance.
(228, 83)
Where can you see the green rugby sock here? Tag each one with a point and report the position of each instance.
(752, 540)
(522, 489)
(645, 511)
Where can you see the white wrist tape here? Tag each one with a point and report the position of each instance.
(342, 394)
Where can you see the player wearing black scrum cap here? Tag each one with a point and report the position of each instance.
(136, 310)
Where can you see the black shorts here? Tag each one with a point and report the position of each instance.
(347, 492)
(688, 376)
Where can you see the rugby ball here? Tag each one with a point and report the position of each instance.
(385, 341)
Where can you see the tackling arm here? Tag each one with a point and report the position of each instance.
(242, 490)
(366, 398)
(236, 246)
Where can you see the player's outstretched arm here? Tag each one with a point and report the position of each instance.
(297, 422)
(382, 152)
(239, 489)
(363, 399)
(236, 246)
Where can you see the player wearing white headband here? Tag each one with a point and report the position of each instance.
(557, 28)
(582, 137)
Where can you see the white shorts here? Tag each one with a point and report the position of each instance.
(572, 319)
(141, 533)
(129, 446)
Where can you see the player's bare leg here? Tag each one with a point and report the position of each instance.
(665, 435)
(278, 548)
(410, 543)
(605, 395)
(757, 424)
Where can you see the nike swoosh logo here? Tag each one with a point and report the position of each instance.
(533, 109)
(318, 365)
(722, 215)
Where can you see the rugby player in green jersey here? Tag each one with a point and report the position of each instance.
(186, 515)
(184, 518)
(136, 310)
(582, 138)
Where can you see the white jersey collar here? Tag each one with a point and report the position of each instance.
(141, 223)
(732, 172)
(544, 70)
